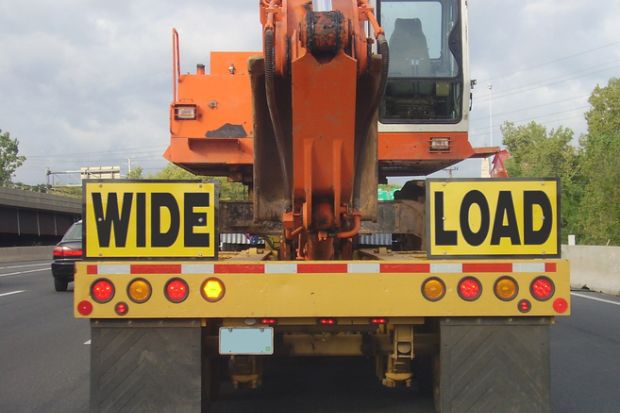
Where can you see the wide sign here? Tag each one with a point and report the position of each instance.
(493, 218)
(165, 219)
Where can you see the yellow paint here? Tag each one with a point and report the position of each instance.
(322, 295)
(454, 191)
(131, 249)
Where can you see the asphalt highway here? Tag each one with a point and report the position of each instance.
(44, 360)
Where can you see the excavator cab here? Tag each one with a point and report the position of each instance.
(425, 81)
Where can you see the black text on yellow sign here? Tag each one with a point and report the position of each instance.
(149, 219)
(492, 217)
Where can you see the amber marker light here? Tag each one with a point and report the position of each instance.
(139, 290)
(213, 290)
(433, 289)
(506, 288)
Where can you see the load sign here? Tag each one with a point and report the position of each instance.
(149, 219)
(493, 218)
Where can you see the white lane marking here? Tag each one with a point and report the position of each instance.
(87, 342)
(595, 299)
(25, 272)
(26, 265)
(11, 293)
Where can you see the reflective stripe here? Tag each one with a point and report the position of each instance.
(106, 269)
(197, 269)
(528, 267)
(371, 268)
(281, 268)
(446, 268)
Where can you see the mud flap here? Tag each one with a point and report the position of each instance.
(145, 366)
(494, 365)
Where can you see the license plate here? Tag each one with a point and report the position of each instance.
(246, 340)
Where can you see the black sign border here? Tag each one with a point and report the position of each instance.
(427, 220)
(216, 184)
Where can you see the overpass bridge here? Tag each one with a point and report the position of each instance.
(34, 218)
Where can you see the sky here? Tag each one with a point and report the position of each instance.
(88, 83)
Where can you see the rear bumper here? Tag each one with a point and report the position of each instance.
(63, 269)
(325, 289)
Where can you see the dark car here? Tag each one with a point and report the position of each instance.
(66, 253)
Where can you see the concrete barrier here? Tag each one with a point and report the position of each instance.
(20, 254)
(594, 267)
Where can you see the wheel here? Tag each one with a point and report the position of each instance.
(60, 285)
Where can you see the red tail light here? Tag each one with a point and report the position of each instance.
(377, 320)
(524, 306)
(73, 253)
(269, 321)
(102, 291)
(121, 308)
(85, 307)
(327, 321)
(470, 289)
(542, 288)
(560, 305)
(60, 251)
(176, 290)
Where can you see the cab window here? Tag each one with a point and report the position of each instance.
(424, 79)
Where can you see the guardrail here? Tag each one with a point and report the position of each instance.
(20, 254)
(594, 267)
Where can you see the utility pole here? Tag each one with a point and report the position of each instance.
(490, 121)
(490, 114)
(128, 166)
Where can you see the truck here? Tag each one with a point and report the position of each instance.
(453, 285)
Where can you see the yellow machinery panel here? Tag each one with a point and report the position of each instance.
(165, 219)
(493, 218)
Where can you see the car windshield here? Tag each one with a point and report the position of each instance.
(74, 233)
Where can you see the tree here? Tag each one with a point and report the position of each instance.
(229, 190)
(9, 158)
(601, 166)
(135, 173)
(536, 152)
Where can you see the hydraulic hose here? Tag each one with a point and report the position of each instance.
(384, 50)
(274, 114)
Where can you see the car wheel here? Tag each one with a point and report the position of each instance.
(60, 285)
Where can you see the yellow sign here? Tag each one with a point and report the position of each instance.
(493, 217)
(149, 219)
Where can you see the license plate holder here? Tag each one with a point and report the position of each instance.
(246, 341)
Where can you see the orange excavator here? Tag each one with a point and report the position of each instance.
(324, 114)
